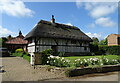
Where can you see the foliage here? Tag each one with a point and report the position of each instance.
(61, 54)
(19, 50)
(2, 42)
(17, 54)
(45, 54)
(58, 61)
(93, 48)
(103, 42)
(21, 53)
(82, 62)
(25, 56)
(95, 41)
(112, 50)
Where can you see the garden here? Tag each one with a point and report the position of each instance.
(78, 61)
(75, 65)
(71, 61)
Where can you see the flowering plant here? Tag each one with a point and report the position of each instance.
(58, 61)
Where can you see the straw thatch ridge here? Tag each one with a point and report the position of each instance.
(57, 30)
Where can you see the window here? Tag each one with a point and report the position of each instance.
(85, 48)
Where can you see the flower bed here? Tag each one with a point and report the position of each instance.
(88, 62)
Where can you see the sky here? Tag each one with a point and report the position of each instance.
(96, 19)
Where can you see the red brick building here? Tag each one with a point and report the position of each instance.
(16, 42)
(113, 39)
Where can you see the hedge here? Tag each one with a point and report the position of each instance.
(108, 50)
(20, 53)
(25, 56)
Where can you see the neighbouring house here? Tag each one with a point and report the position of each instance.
(16, 42)
(113, 39)
(59, 37)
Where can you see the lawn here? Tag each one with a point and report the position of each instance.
(73, 58)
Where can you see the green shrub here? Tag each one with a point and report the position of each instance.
(17, 54)
(45, 55)
(61, 54)
(106, 61)
(25, 56)
(109, 50)
(19, 50)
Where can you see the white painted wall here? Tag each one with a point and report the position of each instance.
(49, 41)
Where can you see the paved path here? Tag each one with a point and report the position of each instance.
(18, 69)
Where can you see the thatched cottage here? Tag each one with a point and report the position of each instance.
(56, 36)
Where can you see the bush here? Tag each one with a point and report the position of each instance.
(81, 63)
(21, 53)
(45, 55)
(106, 61)
(109, 50)
(58, 61)
(19, 50)
(25, 56)
(93, 48)
(17, 54)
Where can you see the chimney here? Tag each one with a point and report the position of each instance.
(9, 37)
(53, 20)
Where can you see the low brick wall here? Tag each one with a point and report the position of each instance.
(83, 71)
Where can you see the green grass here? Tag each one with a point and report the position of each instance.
(73, 58)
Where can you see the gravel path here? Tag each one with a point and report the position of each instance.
(18, 69)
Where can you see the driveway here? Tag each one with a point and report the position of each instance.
(18, 69)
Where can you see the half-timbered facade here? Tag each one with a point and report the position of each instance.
(56, 36)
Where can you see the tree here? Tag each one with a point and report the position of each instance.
(2, 41)
(95, 41)
(103, 42)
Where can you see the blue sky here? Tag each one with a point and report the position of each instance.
(94, 19)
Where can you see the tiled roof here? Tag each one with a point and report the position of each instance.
(17, 40)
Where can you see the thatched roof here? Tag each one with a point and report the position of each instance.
(57, 30)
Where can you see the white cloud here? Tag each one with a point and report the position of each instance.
(15, 8)
(99, 36)
(100, 11)
(105, 22)
(88, 6)
(5, 32)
